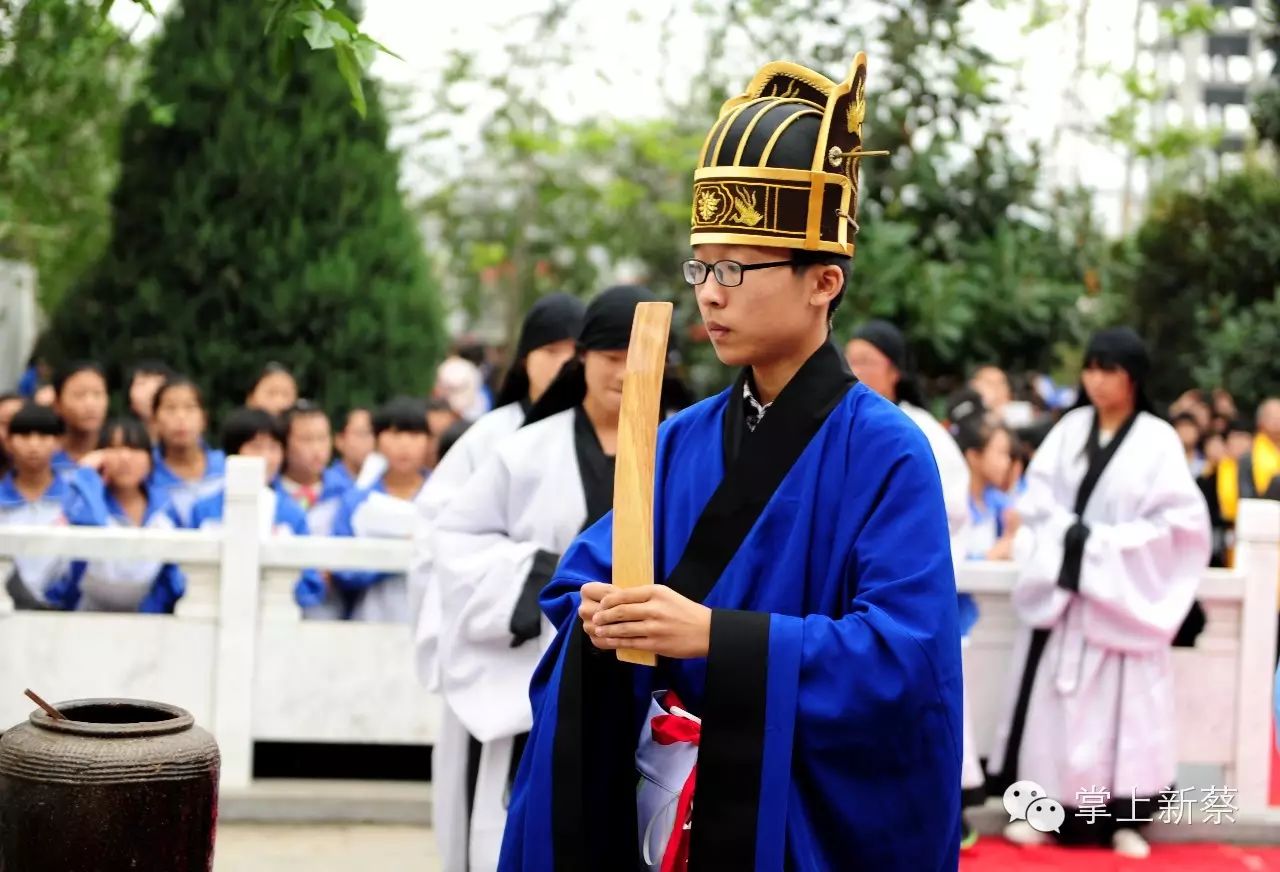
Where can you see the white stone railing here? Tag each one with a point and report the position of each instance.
(238, 655)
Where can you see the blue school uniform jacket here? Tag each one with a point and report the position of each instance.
(63, 465)
(37, 575)
(374, 513)
(119, 585)
(181, 493)
(337, 478)
(830, 699)
(289, 518)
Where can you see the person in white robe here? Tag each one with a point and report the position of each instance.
(548, 338)
(497, 543)
(880, 359)
(1115, 536)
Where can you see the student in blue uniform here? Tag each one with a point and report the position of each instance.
(33, 494)
(145, 378)
(806, 624)
(353, 444)
(121, 498)
(80, 392)
(308, 448)
(257, 433)
(274, 391)
(186, 469)
(385, 510)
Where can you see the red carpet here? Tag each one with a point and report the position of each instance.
(993, 854)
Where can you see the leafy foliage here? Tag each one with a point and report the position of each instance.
(1202, 268)
(958, 243)
(261, 221)
(64, 76)
(1266, 107)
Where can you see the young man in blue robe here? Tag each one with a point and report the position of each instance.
(806, 626)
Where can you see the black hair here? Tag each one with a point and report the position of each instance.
(133, 434)
(451, 435)
(1242, 425)
(272, 368)
(176, 380)
(64, 373)
(300, 409)
(147, 367)
(245, 424)
(964, 404)
(406, 414)
(345, 417)
(802, 259)
(975, 433)
(1186, 418)
(10, 395)
(33, 418)
(1032, 435)
(437, 404)
(473, 352)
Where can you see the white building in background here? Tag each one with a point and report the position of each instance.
(1210, 78)
(1069, 80)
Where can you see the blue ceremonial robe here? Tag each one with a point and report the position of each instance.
(831, 696)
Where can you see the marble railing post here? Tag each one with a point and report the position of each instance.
(237, 636)
(1258, 557)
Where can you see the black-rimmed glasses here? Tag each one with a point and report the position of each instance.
(728, 273)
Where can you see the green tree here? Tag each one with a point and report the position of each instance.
(1202, 274)
(260, 221)
(64, 78)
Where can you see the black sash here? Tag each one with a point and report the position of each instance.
(733, 716)
(1078, 533)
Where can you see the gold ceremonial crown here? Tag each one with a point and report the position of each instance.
(780, 166)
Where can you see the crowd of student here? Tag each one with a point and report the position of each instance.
(63, 461)
(156, 467)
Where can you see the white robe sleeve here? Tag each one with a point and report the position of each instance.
(954, 473)
(1139, 576)
(955, 487)
(1038, 546)
(480, 573)
(446, 481)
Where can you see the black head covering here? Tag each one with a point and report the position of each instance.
(889, 340)
(1120, 347)
(605, 327)
(607, 324)
(552, 318)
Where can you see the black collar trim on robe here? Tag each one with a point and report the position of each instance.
(756, 469)
(595, 684)
(594, 467)
(1069, 578)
